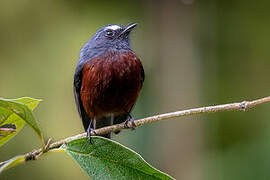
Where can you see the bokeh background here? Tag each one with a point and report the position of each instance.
(195, 53)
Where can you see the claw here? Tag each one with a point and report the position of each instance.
(88, 132)
(131, 119)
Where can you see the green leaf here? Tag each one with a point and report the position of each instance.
(107, 159)
(31, 103)
(15, 113)
(12, 162)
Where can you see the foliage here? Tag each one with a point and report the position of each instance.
(104, 159)
(107, 159)
(14, 114)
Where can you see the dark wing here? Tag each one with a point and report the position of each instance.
(105, 121)
(77, 88)
(142, 75)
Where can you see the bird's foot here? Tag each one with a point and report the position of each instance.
(88, 132)
(131, 119)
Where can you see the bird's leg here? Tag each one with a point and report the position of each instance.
(112, 119)
(89, 129)
(131, 119)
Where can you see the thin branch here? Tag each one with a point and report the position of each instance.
(240, 106)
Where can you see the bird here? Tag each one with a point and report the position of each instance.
(108, 79)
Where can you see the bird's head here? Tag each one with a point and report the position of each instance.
(109, 37)
(112, 36)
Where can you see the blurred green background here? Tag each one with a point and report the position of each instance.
(195, 53)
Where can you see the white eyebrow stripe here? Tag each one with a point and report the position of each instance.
(113, 27)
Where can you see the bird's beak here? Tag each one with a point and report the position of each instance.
(128, 28)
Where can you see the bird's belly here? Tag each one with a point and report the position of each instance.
(117, 95)
(111, 87)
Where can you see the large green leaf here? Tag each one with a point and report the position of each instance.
(14, 113)
(107, 159)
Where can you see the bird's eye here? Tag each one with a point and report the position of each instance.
(109, 33)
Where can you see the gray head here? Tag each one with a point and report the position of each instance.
(109, 37)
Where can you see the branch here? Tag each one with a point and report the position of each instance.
(240, 106)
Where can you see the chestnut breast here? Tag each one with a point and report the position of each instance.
(111, 83)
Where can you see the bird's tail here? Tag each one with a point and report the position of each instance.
(108, 121)
(120, 119)
(103, 122)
